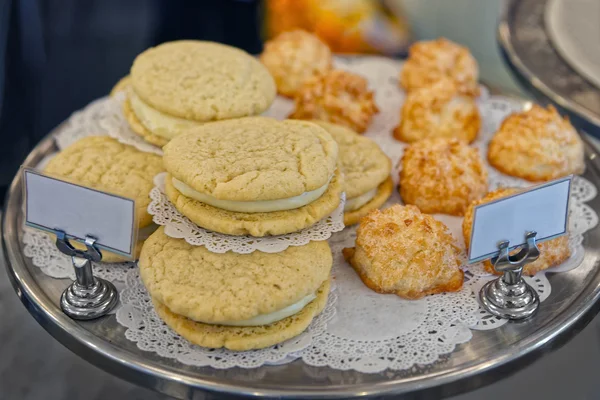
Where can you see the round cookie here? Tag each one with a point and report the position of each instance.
(337, 96)
(103, 163)
(402, 251)
(384, 191)
(202, 81)
(537, 145)
(442, 176)
(222, 288)
(136, 126)
(364, 165)
(253, 159)
(430, 61)
(242, 338)
(440, 110)
(261, 223)
(552, 253)
(293, 57)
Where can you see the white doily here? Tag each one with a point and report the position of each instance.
(366, 331)
(177, 226)
(149, 332)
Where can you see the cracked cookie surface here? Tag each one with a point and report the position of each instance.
(203, 286)
(202, 81)
(253, 159)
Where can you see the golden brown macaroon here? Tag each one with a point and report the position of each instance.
(552, 252)
(338, 96)
(440, 110)
(442, 175)
(537, 145)
(430, 61)
(400, 250)
(294, 57)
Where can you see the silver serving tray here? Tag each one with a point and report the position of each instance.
(528, 50)
(489, 356)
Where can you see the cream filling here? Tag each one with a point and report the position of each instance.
(252, 206)
(357, 202)
(157, 122)
(266, 319)
(145, 232)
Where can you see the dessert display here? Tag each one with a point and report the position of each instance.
(254, 176)
(102, 163)
(442, 176)
(552, 253)
(537, 145)
(403, 251)
(439, 110)
(180, 85)
(366, 170)
(431, 61)
(339, 97)
(237, 301)
(293, 57)
(240, 272)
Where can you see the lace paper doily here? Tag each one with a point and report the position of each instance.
(364, 331)
(177, 226)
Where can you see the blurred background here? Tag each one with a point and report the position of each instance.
(58, 55)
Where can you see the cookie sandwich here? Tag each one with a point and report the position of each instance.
(102, 163)
(366, 169)
(254, 176)
(237, 301)
(180, 85)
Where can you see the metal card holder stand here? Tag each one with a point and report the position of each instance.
(88, 297)
(510, 296)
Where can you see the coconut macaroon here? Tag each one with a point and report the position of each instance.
(293, 57)
(431, 61)
(552, 253)
(236, 301)
(254, 176)
(537, 145)
(440, 110)
(400, 250)
(183, 84)
(366, 170)
(442, 176)
(101, 162)
(339, 97)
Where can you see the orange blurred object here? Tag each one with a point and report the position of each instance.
(347, 26)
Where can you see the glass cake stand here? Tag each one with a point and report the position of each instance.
(489, 356)
(530, 54)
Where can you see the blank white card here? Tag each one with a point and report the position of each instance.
(52, 204)
(543, 209)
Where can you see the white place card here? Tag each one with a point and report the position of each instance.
(543, 209)
(52, 204)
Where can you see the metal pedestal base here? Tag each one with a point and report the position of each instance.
(83, 303)
(510, 296)
(514, 302)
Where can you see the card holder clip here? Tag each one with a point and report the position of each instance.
(88, 297)
(510, 296)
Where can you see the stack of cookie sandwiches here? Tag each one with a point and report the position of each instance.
(251, 176)
(181, 85)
